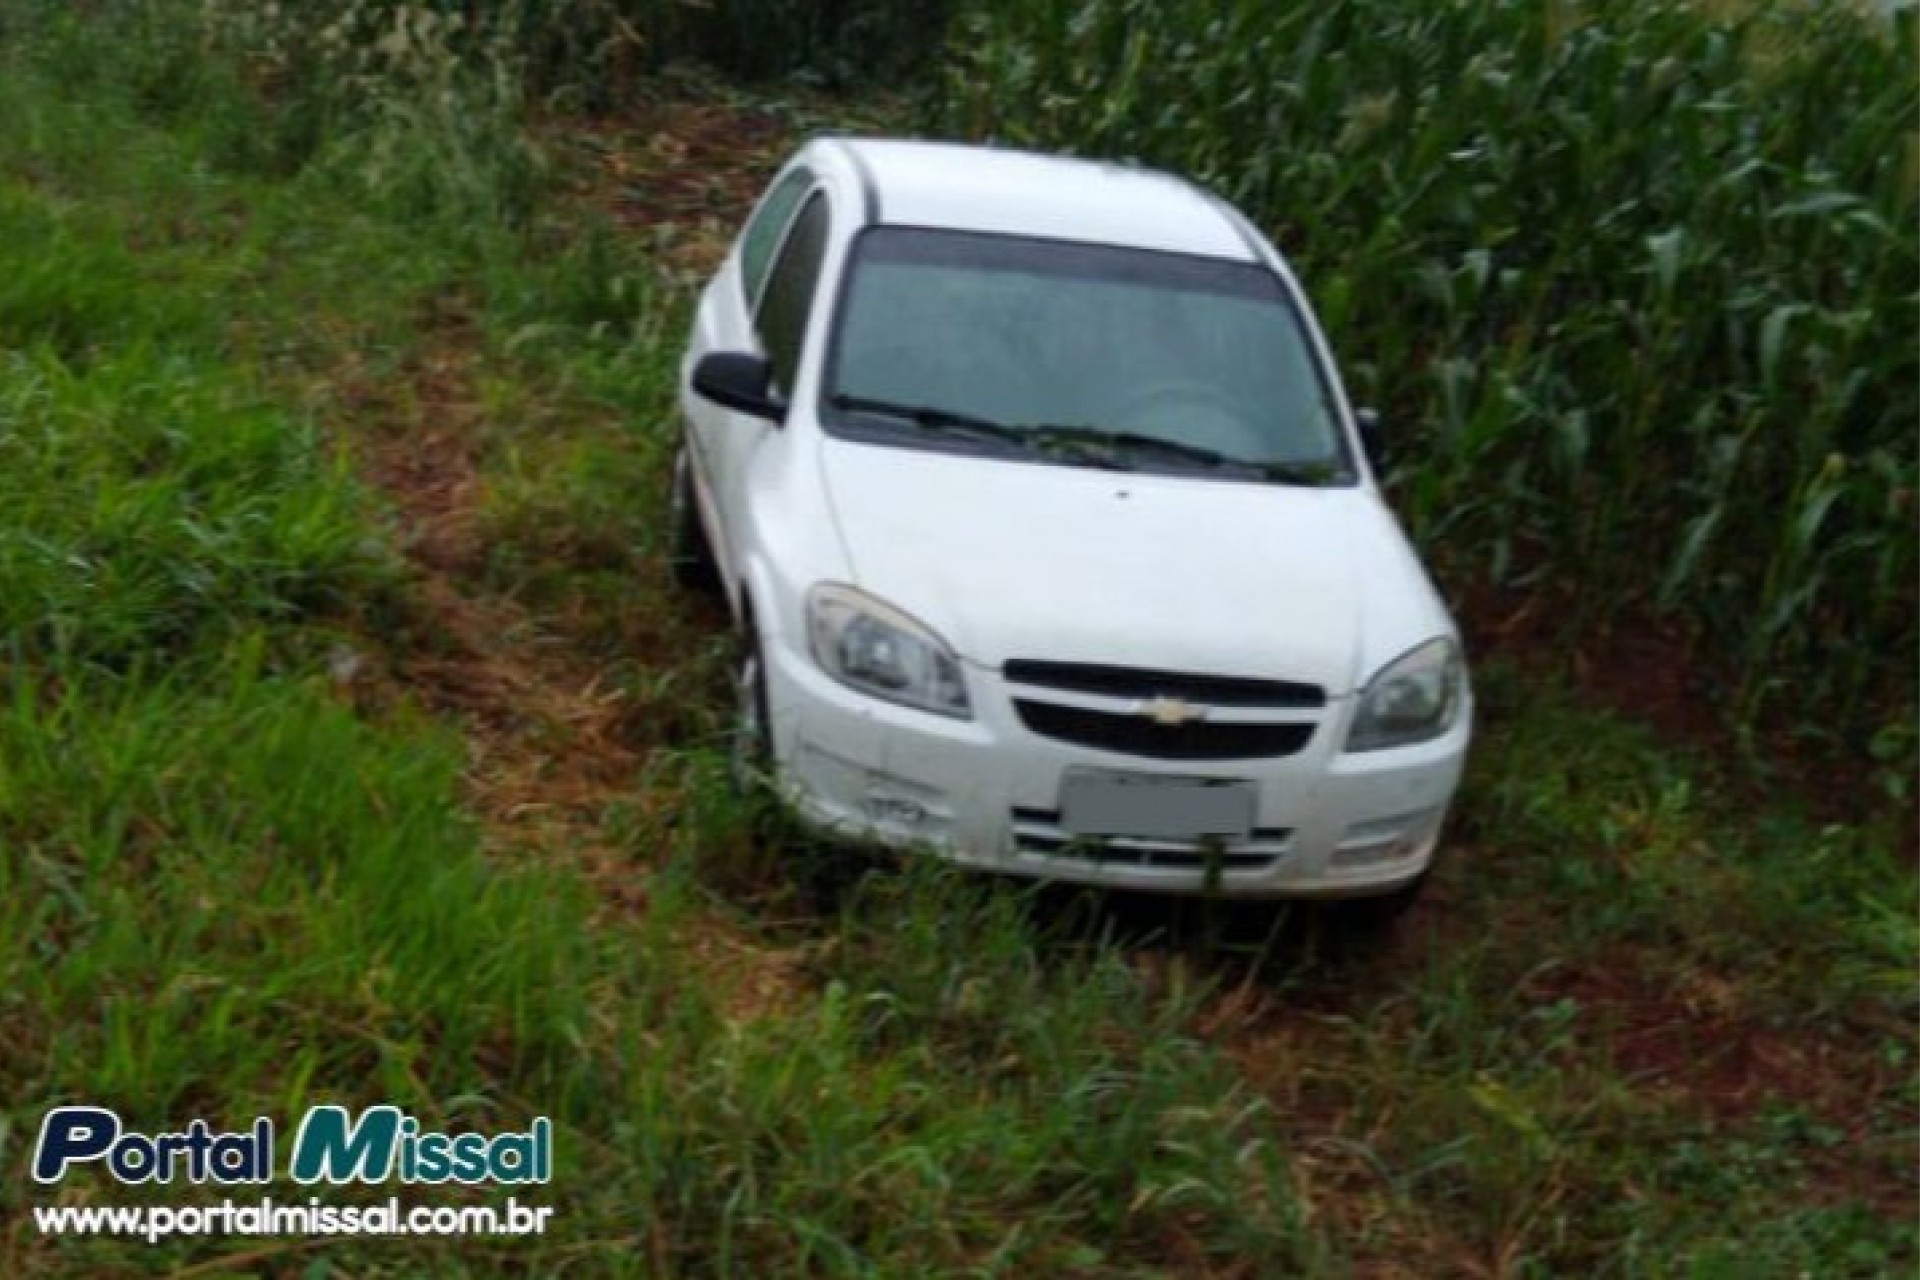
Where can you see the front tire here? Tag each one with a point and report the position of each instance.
(691, 557)
(750, 748)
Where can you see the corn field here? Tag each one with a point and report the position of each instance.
(1633, 284)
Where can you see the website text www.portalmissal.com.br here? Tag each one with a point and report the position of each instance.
(332, 1145)
(269, 1217)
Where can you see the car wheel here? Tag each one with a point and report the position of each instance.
(750, 750)
(691, 556)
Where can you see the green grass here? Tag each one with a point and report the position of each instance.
(1650, 1027)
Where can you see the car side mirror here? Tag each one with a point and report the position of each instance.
(739, 381)
(1371, 437)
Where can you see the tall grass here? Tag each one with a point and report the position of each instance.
(1634, 284)
(147, 510)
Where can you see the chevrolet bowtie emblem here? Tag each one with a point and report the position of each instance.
(1172, 712)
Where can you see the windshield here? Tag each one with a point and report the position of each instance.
(1116, 357)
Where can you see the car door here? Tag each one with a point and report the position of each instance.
(724, 322)
(779, 333)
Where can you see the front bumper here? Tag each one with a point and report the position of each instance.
(986, 792)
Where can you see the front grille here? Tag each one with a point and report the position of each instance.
(1137, 682)
(1037, 832)
(1131, 733)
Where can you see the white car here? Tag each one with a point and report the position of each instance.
(1051, 537)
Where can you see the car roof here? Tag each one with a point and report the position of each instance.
(1009, 192)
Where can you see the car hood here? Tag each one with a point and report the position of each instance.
(1009, 559)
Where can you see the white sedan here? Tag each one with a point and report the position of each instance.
(1051, 535)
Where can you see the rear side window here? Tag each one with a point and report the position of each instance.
(762, 235)
(782, 319)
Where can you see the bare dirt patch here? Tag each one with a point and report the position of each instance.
(683, 171)
(554, 746)
(544, 747)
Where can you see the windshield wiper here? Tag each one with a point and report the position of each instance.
(1134, 442)
(933, 418)
(1130, 441)
(1085, 445)
(1315, 474)
(971, 426)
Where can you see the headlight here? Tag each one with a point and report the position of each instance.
(1414, 698)
(871, 646)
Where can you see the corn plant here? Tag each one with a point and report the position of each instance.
(1634, 283)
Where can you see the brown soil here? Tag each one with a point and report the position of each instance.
(552, 747)
(1643, 668)
(545, 750)
(684, 172)
(1648, 669)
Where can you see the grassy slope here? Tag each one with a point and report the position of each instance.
(403, 788)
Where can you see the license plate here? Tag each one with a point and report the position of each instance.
(1153, 806)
